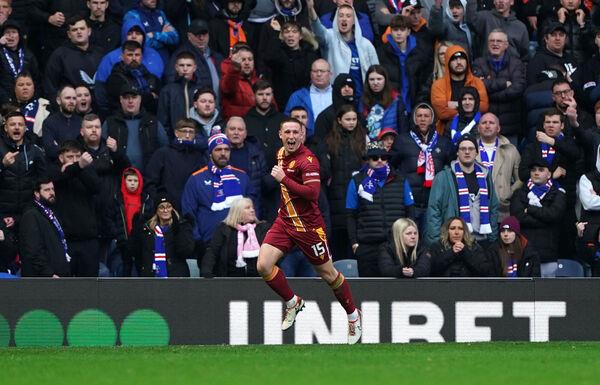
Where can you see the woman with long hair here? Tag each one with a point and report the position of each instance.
(402, 256)
(346, 147)
(457, 253)
(233, 249)
(380, 106)
(439, 67)
(515, 258)
(162, 244)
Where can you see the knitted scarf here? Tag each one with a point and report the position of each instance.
(395, 5)
(540, 191)
(455, 135)
(463, 199)
(160, 253)
(368, 185)
(485, 160)
(226, 187)
(14, 70)
(48, 213)
(236, 33)
(548, 151)
(248, 249)
(140, 81)
(30, 111)
(425, 163)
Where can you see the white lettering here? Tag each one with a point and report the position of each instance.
(467, 313)
(238, 323)
(311, 323)
(272, 311)
(370, 322)
(539, 313)
(404, 331)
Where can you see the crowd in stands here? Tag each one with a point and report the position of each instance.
(454, 137)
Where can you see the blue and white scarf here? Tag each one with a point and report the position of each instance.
(14, 70)
(226, 187)
(368, 185)
(540, 191)
(548, 151)
(463, 199)
(485, 160)
(455, 135)
(159, 266)
(48, 213)
(425, 164)
(30, 111)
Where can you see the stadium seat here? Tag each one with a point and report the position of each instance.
(347, 267)
(193, 265)
(569, 268)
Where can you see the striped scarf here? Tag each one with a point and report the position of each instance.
(455, 135)
(463, 199)
(226, 187)
(425, 163)
(540, 191)
(485, 160)
(160, 253)
(368, 185)
(548, 152)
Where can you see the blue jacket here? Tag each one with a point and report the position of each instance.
(301, 98)
(198, 197)
(257, 169)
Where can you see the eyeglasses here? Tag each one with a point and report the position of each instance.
(562, 92)
(497, 41)
(166, 207)
(375, 158)
(319, 71)
(187, 132)
(466, 149)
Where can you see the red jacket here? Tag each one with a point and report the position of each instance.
(237, 96)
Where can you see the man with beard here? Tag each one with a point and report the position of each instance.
(229, 28)
(210, 191)
(205, 113)
(131, 71)
(63, 124)
(22, 164)
(75, 62)
(43, 247)
(446, 90)
(236, 83)
(34, 109)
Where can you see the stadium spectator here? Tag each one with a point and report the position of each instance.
(238, 78)
(588, 139)
(588, 226)
(465, 190)
(375, 198)
(33, 108)
(314, 98)
(5, 11)
(208, 62)
(504, 79)
(247, 155)
(446, 90)
(327, 19)
(206, 114)
(171, 166)
(76, 182)
(346, 147)
(342, 92)
(591, 72)
(514, 253)
(160, 34)
(209, 203)
(402, 256)
(42, 244)
(22, 164)
(576, 117)
(347, 50)
(407, 64)
(420, 155)
(63, 124)
(105, 31)
(288, 57)
(228, 27)
(501, 158)
(164, 242)
(75, 62)
(130, 70)
(84, 104)
(263, 120)
(468, 115)
(439, 68)
(234, 246)
(380, 106)
(8, 249)
(540, 208)
(16, 58)
(485, 21)
(177, 98)
(137, 132)
(457, 253)
(449, 23)
(131, 205)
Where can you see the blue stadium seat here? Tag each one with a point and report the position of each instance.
(193, 265)
(347, 267)
(569, 268)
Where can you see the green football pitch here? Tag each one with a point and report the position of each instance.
(440, 364)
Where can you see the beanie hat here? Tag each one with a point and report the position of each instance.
(216, 140)
(511, 223)
(469, 138)
(161, 198)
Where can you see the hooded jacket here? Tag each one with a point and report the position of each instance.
(336, 50)
(442, 27)
(441, 91)
(324, 122)
(219, 27)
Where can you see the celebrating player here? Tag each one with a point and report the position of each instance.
(300, 223)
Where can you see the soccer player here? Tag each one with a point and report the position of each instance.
(300, 223)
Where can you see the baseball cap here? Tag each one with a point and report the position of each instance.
(129, 89)
(198, 27)
(554, 26)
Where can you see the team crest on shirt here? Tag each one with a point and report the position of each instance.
(292, 164)
(309, 158)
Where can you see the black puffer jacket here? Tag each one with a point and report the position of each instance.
(17, 180)
(505, 101)
(472, 261)
(179, 245)
(390, 265)
(528, 265)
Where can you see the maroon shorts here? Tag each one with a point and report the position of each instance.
(313, 242)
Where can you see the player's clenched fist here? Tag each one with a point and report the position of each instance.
(277, 173)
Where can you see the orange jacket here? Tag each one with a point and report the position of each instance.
(441, 92)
